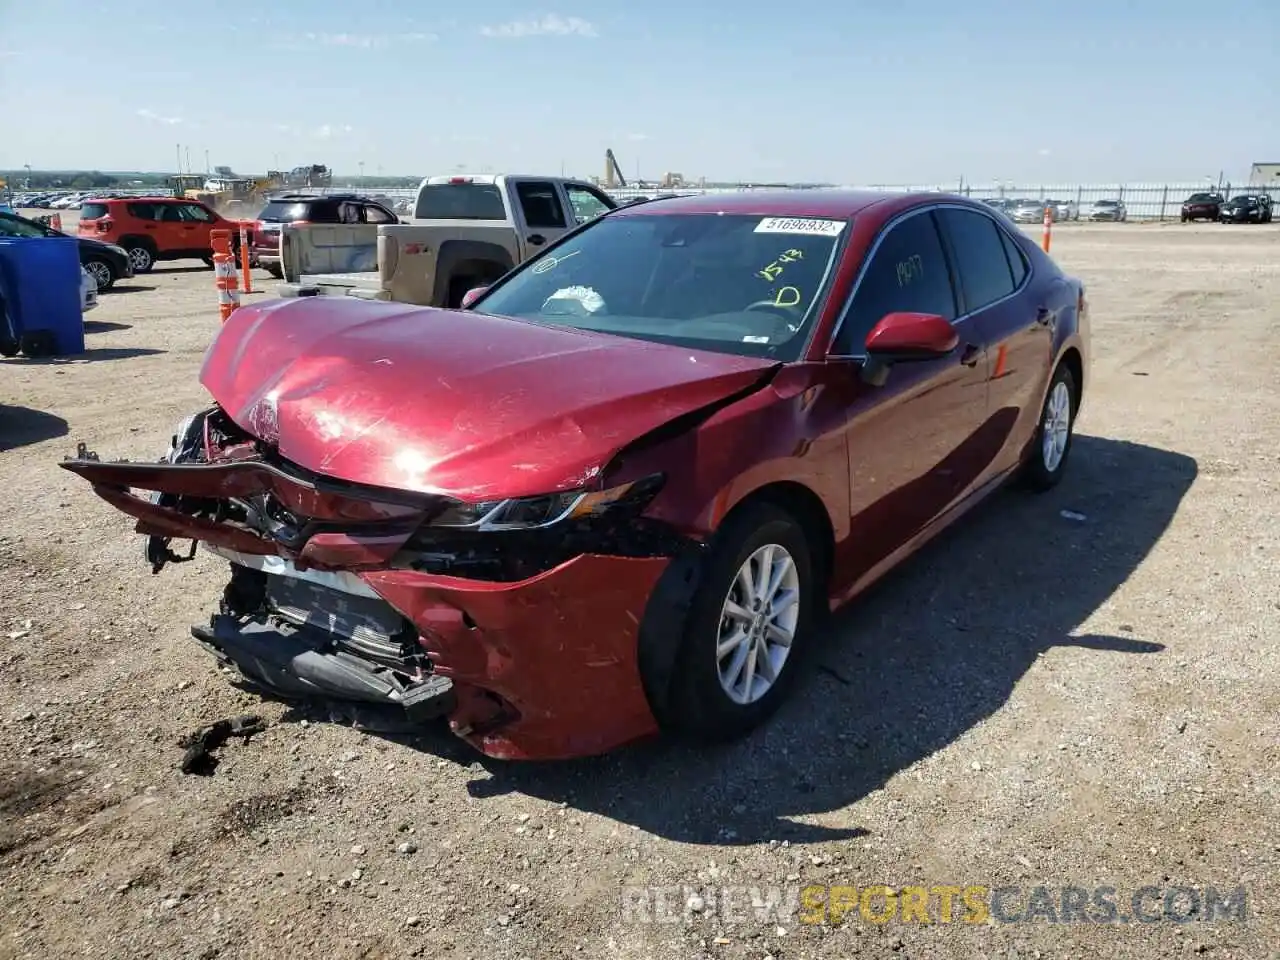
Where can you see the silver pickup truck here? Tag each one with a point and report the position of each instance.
(466, 231)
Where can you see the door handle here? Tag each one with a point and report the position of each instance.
(537, 239)
(969, 357)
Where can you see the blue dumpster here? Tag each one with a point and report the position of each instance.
(41, 279)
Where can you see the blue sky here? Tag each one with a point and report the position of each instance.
(913, 91)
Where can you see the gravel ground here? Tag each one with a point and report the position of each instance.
(1040, 698)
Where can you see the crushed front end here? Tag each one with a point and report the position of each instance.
(516, 620)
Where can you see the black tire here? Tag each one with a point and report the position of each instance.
(274, 270)
(1036, 473)
(102, 272)
(697, 705)
(1185, 219)
(207, 261)
(141, 255)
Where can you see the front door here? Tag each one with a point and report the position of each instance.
(919, 442)
(543, 218)
(198, 221)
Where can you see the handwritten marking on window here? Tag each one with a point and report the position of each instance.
(910, 270)
(550, 263)
(787, 297)
(774, 269)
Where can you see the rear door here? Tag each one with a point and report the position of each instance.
(145, 220)
(920, 441)
(1015, 320)
(541, 215)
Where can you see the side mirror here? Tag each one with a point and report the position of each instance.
(471, 296)
(901, 337)
(905, 337)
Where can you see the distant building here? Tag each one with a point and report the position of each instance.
(1265, 175)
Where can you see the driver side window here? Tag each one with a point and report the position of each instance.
(908, 272)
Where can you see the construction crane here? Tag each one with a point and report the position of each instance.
(612, 172)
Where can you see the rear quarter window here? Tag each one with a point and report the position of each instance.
(93, 211)
(460, 201)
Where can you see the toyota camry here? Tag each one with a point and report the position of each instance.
(616, 494)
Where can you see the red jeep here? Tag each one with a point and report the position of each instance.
(156, 228)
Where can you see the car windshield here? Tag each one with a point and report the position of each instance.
(1106, 203)
(14, 226)
(746, 285)
(1243, 198)
(1201, 198)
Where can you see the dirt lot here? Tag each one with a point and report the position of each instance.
(1039, 699)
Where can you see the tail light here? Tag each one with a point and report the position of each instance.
(460, 179)
(105, 225)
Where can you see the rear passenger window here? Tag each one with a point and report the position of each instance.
(349, 213)
(1017, 259)
(907, 272)
(981, 261)
(142, 211)
(541, 205)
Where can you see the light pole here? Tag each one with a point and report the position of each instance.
(362, 173)
(27, 167)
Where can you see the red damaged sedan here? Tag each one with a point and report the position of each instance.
(616, 495)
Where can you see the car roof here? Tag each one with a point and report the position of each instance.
(822, 202)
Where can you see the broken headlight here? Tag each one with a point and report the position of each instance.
(531, 513)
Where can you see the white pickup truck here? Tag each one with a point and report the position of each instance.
(466, 231)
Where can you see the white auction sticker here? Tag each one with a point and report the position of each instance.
(818, 228)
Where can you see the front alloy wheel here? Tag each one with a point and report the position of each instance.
(746, 628)
(100, 270)
(757, 624)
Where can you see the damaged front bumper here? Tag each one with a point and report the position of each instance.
(526, 641)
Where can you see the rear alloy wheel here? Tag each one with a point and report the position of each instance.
(102, 274)
(747, 628)
(141, 258)
(1052, 447)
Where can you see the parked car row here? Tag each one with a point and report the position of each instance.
(1242, 208)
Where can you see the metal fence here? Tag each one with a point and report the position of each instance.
(1143, 201)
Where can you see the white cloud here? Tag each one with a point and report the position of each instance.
(551, 25)
(365, 41)
(637, 137)
(6, 54)
(329, 131)
(1044, 151)
(152, 115)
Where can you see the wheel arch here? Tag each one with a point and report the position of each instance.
(1074, 362)
(455, 257)
(138, 240)
(808, 509)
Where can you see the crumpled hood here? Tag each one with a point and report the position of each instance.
(444, 401)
